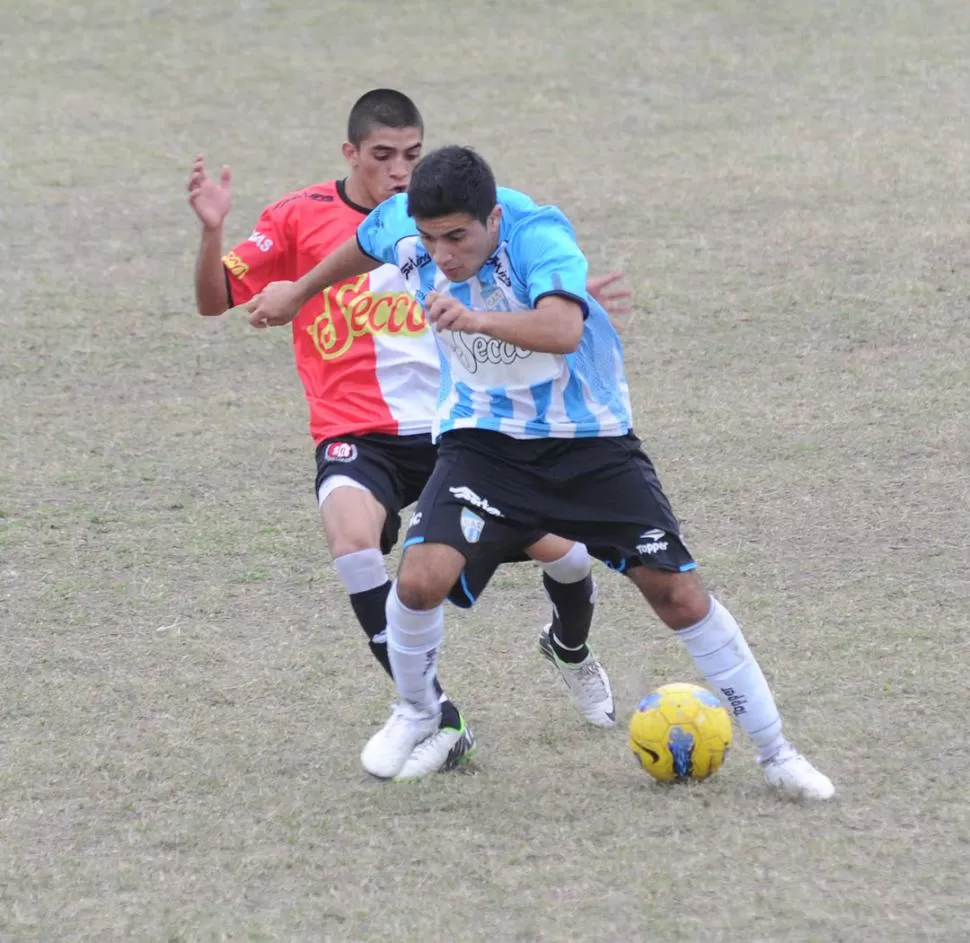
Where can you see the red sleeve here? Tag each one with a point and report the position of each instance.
(261, 259)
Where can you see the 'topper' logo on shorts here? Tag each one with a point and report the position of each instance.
(340, 452)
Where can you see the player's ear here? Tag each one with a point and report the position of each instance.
(494, 218)
(350, 153)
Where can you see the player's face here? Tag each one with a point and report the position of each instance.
(458, 243)
(381, 164)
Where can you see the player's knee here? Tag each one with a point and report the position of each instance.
(347, 533)
(683, 603)
(427, 575)
(344, 543)
(679, 599)
(353, 519)
(419, 591)
(420, 588)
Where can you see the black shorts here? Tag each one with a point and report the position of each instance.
(488, 491)
(395, 470)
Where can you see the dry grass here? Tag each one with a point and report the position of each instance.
(184, 691)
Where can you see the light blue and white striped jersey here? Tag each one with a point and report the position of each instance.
(491, 384)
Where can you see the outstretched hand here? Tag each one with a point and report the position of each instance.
(210, 199)
(613, 299)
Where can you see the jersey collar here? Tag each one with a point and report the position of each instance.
(342, 193)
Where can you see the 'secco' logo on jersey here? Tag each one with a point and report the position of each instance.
(236, 266)
(349, 312)
(475, 349)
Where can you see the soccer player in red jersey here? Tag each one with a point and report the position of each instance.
(370, 371)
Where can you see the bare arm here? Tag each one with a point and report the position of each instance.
(345, 261)
(280, 302)
(554, 326)
(211, 201)
(211, 297)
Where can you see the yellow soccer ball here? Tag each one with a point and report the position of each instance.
(680, 732)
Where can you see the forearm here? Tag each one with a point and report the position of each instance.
(345, 261)
(548, 332)
(210, 275)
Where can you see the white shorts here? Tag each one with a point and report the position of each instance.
(329, 485)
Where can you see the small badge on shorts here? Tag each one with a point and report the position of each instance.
(471, 526)
(340, 452)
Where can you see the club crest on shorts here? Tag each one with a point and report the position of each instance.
(340, 452)
(471, 526)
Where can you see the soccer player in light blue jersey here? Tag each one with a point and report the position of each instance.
(535, 435)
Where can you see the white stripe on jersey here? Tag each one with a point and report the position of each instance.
(406, 364)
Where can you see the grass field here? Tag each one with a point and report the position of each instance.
(184, 691)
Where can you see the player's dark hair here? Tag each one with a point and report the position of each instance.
(381, 108)
(452, 180)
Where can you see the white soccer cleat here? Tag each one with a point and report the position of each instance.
(791, 774)
(587, 682)
(388, 750)
(444, 750)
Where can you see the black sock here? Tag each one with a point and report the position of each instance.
(369, 607)
(449, 715)
(572, 616)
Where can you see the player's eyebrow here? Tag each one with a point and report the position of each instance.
(451, 234)
(390, 149)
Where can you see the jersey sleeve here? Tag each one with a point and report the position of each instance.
(259, 260)
(385, 226)
(544, 252)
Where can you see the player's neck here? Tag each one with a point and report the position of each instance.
(357, 195)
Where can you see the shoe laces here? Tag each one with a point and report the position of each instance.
(590, 679)
(786, 754)
(404, 713)
(424, 746)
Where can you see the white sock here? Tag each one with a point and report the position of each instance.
(571, 567)
(361, 571)
(413, 639)
(721, 654)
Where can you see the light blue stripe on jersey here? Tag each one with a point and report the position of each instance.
(599, 361)
(577, 409)
(462, 292)
(427, 272)
(463, 407)
(499, 404)
(460, 394)
(542, 397)
(445, 383)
